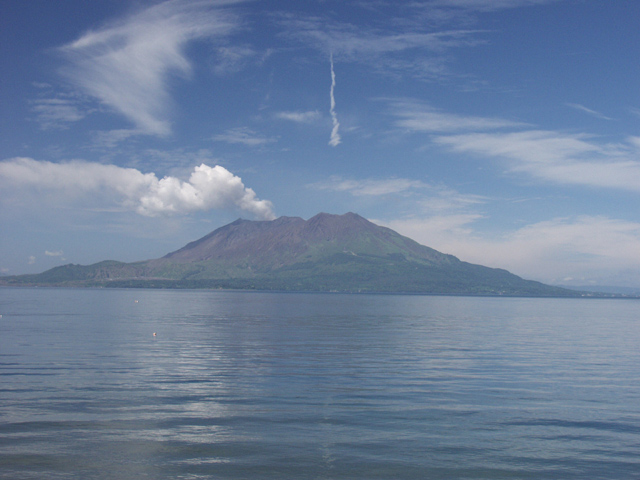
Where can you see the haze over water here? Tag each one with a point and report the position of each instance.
(294, 386)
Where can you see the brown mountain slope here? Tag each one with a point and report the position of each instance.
(325, 253)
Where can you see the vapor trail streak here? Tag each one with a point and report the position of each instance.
(335, 136)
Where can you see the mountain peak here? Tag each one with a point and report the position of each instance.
(282, 236)
(325, 253)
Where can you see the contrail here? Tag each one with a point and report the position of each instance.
(335, 136)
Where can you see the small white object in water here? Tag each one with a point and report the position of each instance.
(154, 334)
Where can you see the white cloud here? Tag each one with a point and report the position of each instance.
(417, 116)
(207, 188)
(59, 254)
(570, 159)
(582, 108)
(369, 186)
(599, 245)
(634, 141)
(425, 197)
(482, 5)
(334, 140)
(424, 55)
(245, 136)
(444, 199)
(31, 260)
(111, 138)
(358, 44)
(299, 117)
(56, 112)
(126, 64)
(603, 248)
(556, 157)
(233, 58)
(442, 232)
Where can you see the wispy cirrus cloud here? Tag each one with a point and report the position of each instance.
(432, 199)
(593, 113)
(438, 12)
(300, 117)
(479, 5)
(208, 188)
(393, 50)
(417, 116)
(126, 64)
(111, 138)
(554, 156)
(558, 157)
(233, 58)
(356, 43)
(369, 187)
(56, 113)
(244, 136)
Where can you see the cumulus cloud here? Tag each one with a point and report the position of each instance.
(31, 260)
(126, 64)
(334, 140)
(207, 188)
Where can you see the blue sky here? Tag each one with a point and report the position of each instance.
(505, 132)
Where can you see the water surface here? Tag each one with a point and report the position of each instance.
(246, 385)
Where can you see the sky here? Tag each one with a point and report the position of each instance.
(504, 132)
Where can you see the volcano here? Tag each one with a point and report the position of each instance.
(339, 253)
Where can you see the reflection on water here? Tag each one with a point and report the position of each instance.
(267, 385)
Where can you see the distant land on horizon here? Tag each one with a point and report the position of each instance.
(606, 289)
(327, 253)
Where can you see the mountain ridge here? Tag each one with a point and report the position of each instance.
(342, 253)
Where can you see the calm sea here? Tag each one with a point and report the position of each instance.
(135, 384)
